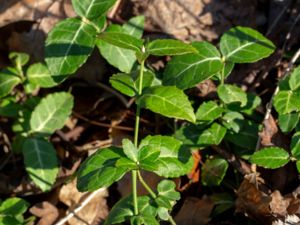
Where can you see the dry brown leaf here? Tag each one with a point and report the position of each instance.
(195, 211)
(46, 211)
(279, 204)
(96, 209)
(252, 202)
(269, 130)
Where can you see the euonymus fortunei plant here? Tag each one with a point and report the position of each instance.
(35, 118)
(232, 115)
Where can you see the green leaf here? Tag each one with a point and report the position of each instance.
(188, 70)
(247, 136)
(287, 101)
(295, 145)
(228, 67)
(287, 122)
(124, 83)
(13, 207)
(173, 161)
(149, 79)
(19, 59)
(213, 171)
(135, 26)
(168, 101)
(8, 80)
(167, 188)
(163, 213)
(209, 111)
(123, 59)
(100, 169)
(211, 136)
(122, 40)
(68, 46)
(40, 162)
(130, 150)
(146, 156)
(298, 166)
(253, 101)
(229, 93)
(124, 210)
(39, 75)
(9, 108)
(8, 220)
(92, 9)
(245, 45)
(51, 113)
(233, 121)
(169, 47)
(294, 80)
(271, 158)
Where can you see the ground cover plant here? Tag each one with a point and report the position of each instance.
(229, 120)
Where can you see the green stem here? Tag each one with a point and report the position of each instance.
(143, 182)
(223, 71)
(172, 221)
(136, 137)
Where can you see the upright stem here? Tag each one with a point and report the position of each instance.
(223, 71)
(136, 137)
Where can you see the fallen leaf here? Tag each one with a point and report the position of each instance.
(195, 211)
(46, 211)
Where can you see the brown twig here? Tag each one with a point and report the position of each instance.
(239, 164)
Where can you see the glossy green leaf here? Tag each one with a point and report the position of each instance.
(146, 156)
(167, 188)
(40, 162)
(246, 137)
(189, 134)
(233, 121)
(92, 9)
(209, 111)
(100, 169)
(68, 46)
(130, 150)
(294, 80)
(123, 59)
(287, 101)
(124, 210)
(168, 101)
(230, 93)
(51, 113)
(211, 136)
(163, 213)
(163, 47)
(39, 75)
(124, 83)
(19, 59)
(13, 207)
(295, 145)
(245, 45)
(8, 80)
(228, 67)
(271, 158)
(135, 26)
(188, 70)
(253, 101)
(173, 161)
(213, 171)
(149, 79)
(122, 40)
(287, 122)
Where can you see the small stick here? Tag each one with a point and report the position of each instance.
(80, 206)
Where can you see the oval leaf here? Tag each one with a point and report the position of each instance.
(287, 101)
(51, 113)
(294, 81)
(13, 207)
(40, 162)
(188, 70)
(211, 136)
(229, 93)
(68, 46)
(100, 169)
(209, 111)
(39, 75)
(173, 160)
(213, 171)
(168, 101)
(169, 47)
(245, 45)
(122, 40)
(271, 158)
(287, 122)
(123, 83)
(8, 80)
(92, 9)
(295, 145)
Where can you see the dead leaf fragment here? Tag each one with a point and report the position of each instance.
(46, 211)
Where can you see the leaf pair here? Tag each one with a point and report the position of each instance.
(12, 210)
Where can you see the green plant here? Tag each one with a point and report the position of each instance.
(70, 43)
(12, 210)
(35, 119)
